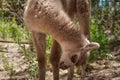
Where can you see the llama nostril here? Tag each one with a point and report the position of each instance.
(63, 67)
(61, 63)
(74, 58)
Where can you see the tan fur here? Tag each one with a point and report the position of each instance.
(54, 17)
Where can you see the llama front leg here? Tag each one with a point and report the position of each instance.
(55, 58)
(70, 73)
(83, 72)
(40, 45)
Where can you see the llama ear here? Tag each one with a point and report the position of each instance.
(91, 46)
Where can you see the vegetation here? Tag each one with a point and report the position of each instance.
(108, 16)
(100, 37)
(8, 67)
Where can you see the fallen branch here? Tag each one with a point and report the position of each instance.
(15, 42)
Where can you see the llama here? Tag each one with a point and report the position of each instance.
(54, 17)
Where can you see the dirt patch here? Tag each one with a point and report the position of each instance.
(103, 69)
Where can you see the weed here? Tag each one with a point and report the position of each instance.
(7, 66)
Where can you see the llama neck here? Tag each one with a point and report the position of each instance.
(68, 36)
(62, 28)
(67, 32)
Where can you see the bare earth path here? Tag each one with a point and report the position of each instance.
(103, 69)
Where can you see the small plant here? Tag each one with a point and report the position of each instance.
(31, 60)
(99, 36)
(7, 66)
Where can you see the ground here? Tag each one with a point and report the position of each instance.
(101, 69)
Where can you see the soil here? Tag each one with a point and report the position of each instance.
(102, 69)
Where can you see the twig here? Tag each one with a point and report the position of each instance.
(15, 42)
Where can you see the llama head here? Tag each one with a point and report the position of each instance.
(69, 59)
(77, 56)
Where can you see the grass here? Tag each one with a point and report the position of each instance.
(9, 30)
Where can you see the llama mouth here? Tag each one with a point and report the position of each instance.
(78, 63)
(64, 67)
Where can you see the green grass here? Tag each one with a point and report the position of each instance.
(9, 30)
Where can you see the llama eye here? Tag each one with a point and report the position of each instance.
(74, 58)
